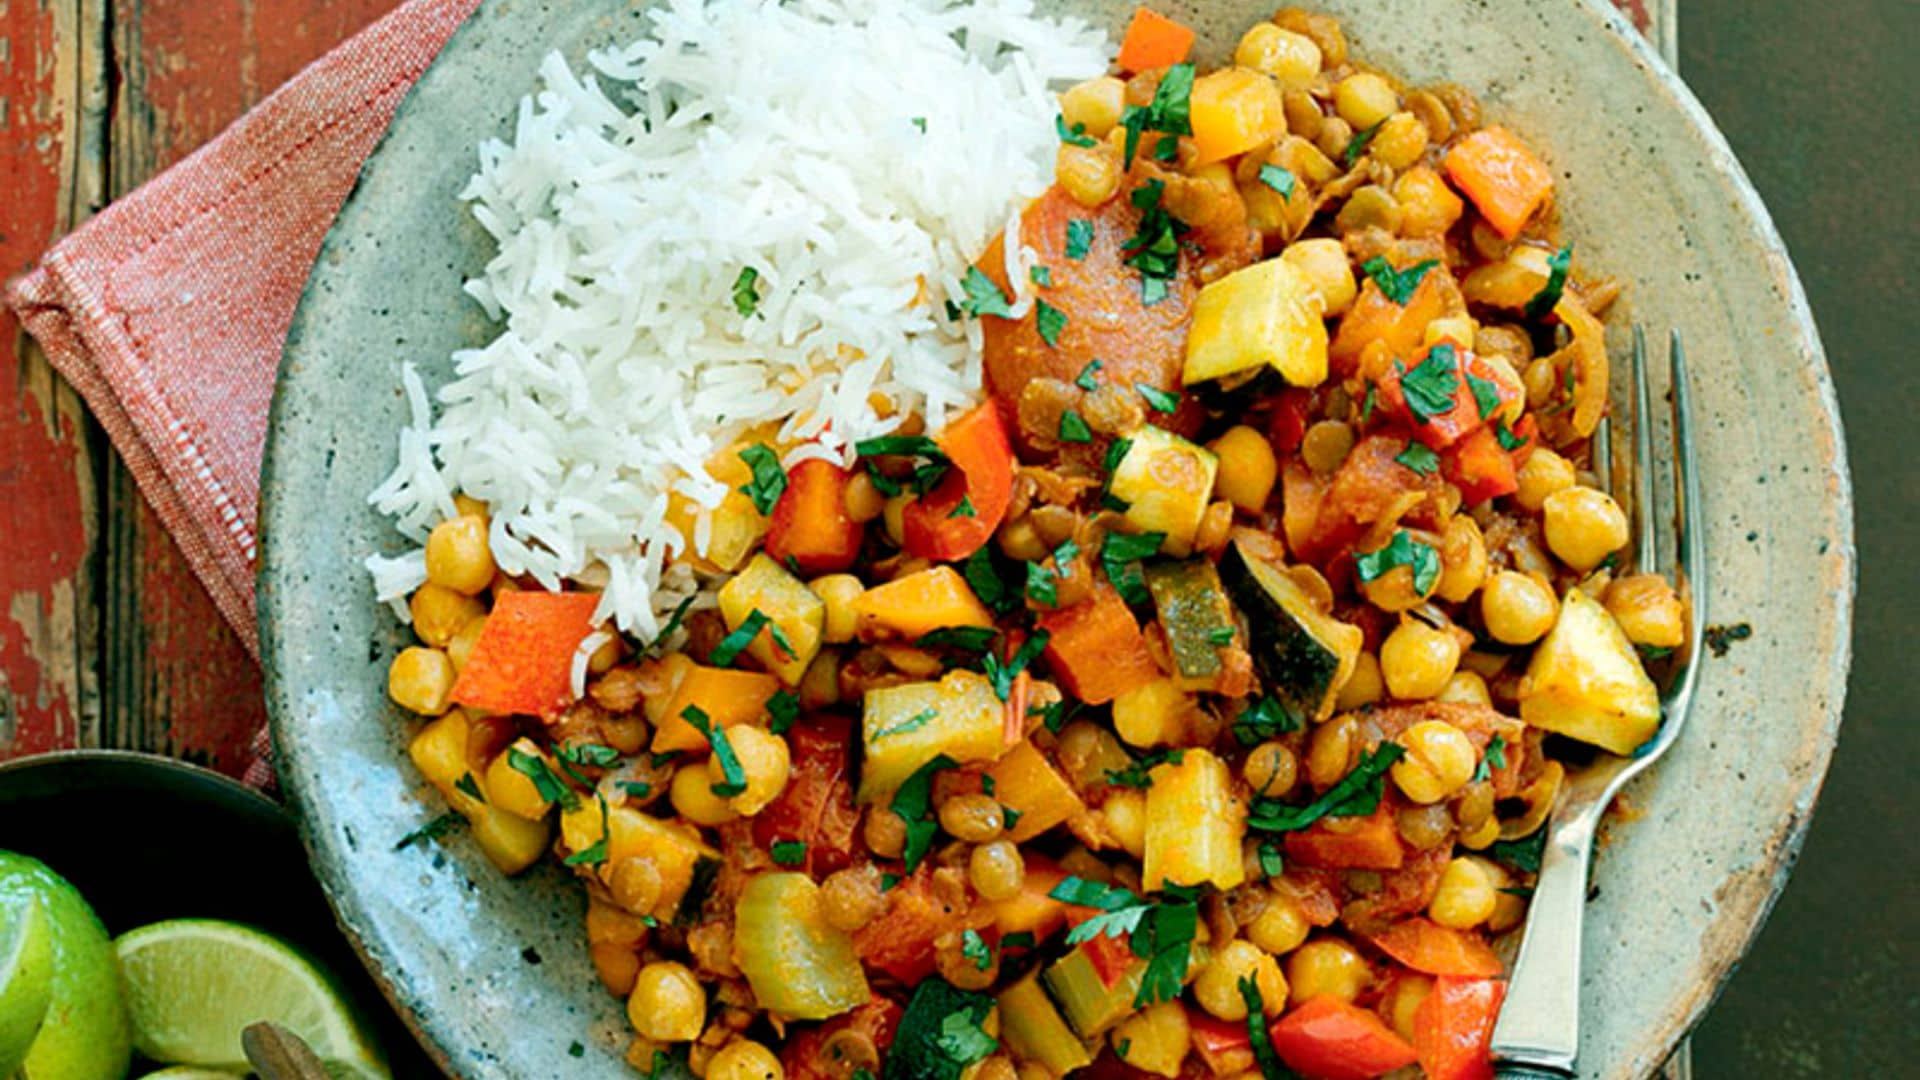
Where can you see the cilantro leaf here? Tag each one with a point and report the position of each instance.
(963, 1040)
(432, 830)
(1041, 275)
(1508, 440)
(1278, 179)
(1264, 718)
(1082, 892)
(789, 852)
(1074, 136)
(1358, 144)
(966, 638)
(1264, 1055)
(899, 446)
(593, 854)
(913, 804)
(1073, 429)
(1366, 403)
(1397, 285)
(983, 295)
(1088, 379)
(1050, 320)
(546, 783)
(1040, 585)
(1169, 112)
(1139, 774)
(1486, 394)
(1420, 458)
(733, 777)
(1272, 862)
(912, 723)
(1356, 795)
(984, 577)
(1543, 302)
(783, 708)
(769, 479)
(974, 947)
(470, 787)
(965, 509)
(746, 298)
(1495, 758)
(1164, 401)
(1002, 675)
(1079, 238)
(1118, 551)
(1430, 386)
(736, 642)
(1523, 854)
(1154, 248)
(1402, 550)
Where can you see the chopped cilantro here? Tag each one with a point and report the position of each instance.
(545, 783)
(1420, 458)
(1543, 302)
(1168, 112)
(1088, 379)
(1486, 394)
(634, 789)
(1397, 285)
(1079, 238)
(769, 479)
(746, 297)
(1154, 248)
(1264, 718)
(734, 778)
(789, 852)
(912, 723)
(1073, 429)
(1356, 795)
(1358, 144)
(984, 577)
(974, 947)
(1139, 774)
(965, 509)
(1040, 585)
(783, 708)
(736, 642)
(983, 295)
(1019, 939)
(1508, 440)
(1278, 179)
(1430, 386)
(1118, 551)
(1261, 1039)
(1366, 403)
(919, 122)
(1050, 321)
(672, 625)
(899, 446)
(1072, 136)
(432, 830)
(1495, 758)
(963, 1040)
(1272, 862)
(594, 854)
(966, 638)
(913, 804)
(1220, 635)
(1402, 550)
(469, 787)
(1522, 854)
(1164, 401)
(1002, 675)
(1041, 275)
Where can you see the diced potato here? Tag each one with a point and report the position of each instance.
(726, 696)
(918, 603)
(1586, 682)
(1266, 314)
(1165, 482)
(511, 842)
(1234, 110)
(439, 751)
(799, 965)
(510, 789)
(1194, 824)
(1025, 782)
(674, 849)
(908, 725)
(790, 607)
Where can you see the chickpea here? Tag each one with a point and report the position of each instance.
(838, 591)
(1271, 769)
(1303, 115)
(1324, 263)
(636, 883)
(863, 501)
(1425, 827)
(1394, 590)
(1292, 59)
(1217, 988)
(996, 870)
(1508, 909)
(1466, 687)
(1403, 1000)
(1327, 965)
(1518, 608)
(420, 680)
(1417, 660)
(1465, 897)
(1280, 927)
(850, 898)
(1463, 559)
(608, 925)
(1648, 610)
(1334, 137)
(693, 797)
(1156, 1038)
(460, 647)
(764, 758)
(974, 818)
(438, 613)
(1324, 30)
(884, 832)
(1330, 751)
(668, 1003)
(1125, 813)
(1364, 687)
(1400, 142)
(1248, 468)
(1364, 100)
(1474, 805)
(1583, 526)
(1542, 474)
(1089, 174)
(1369, 207)
(459, 556)
(1482, 836)
(744, 1059)
(465, 505)
(1326, 445)
(1094, 105)
(1439, 761)
(1428, 206)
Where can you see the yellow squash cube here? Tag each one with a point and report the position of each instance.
(1165, 482)
(1234, 110)
(906, 726)
(791, 607)
(1267, 314)
(1585, 680)
(1194, 824)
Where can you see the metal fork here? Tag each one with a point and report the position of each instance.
(1537, 1036)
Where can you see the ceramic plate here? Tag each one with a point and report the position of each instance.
(494, 973)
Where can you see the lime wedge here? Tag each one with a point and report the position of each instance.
(191, 1072)
(84, 1035)
(26, 977)
(194, 984)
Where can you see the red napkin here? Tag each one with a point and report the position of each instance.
(168, 310)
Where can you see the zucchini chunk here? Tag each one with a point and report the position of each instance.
(1197, 620)
(1303, 654)
(1165, 482)
(1035, 1031)
(1263, 316)
(799, 965)
(1585, 680)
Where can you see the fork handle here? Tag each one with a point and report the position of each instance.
(1528, 1072)
(1539, 1026)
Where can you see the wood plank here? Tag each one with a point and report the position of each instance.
(179, 681)
(52, 123)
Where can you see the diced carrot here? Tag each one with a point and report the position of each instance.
(523, 661)
(1506, 182)
(1368, 843)
(1033, 909)
(1373, 317)
(918, 603)
(961, 512)
(1096, 650)
(1480, 467)
(1153, 41)
(900, 940)
(726, 696)
(811, 528)
(1427, 947)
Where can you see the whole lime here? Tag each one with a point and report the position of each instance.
(84, 1033)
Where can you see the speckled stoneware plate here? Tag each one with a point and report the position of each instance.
(494, 972)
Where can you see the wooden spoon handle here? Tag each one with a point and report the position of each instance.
(279, 1054)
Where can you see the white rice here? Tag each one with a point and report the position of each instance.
(785, 137)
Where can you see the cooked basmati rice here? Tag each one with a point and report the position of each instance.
(846, 150)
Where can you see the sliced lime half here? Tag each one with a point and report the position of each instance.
(26, 977)
(193, 985)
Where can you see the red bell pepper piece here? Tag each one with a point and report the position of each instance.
(1287, 427)
(523, 661)
(1454, 1025)
(1480, 467)
(806, 1056)
(1110, 956)
(1153, 41)
(1096, 650)
(900, 940)
(1368, 843)
(1224, 1045)
(810, 527)
(1427, 947)
(938, 524)
(1328, 1039)
(817, 805)
(1442, 430)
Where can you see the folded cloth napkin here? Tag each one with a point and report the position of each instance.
(168, 310)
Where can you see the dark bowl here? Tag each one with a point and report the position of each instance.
(147, 838)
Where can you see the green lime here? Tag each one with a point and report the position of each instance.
(26, 977)
(193, 985)
(191, 1072)
(84, 1035)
